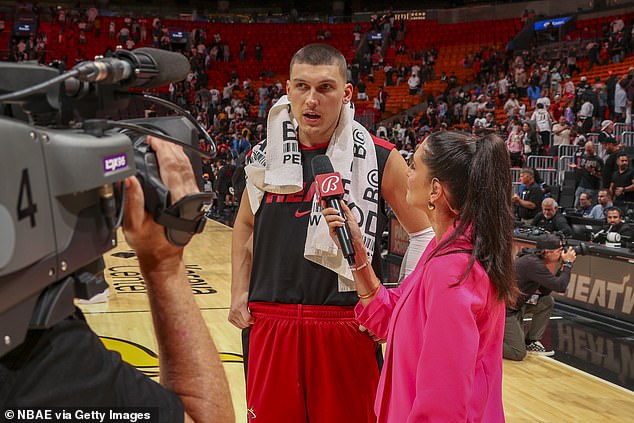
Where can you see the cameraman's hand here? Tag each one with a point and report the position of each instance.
(144, 235)
(334, 221)
(569, 255)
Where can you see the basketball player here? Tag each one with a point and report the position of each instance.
(307, 359)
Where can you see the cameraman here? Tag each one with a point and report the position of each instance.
(67, 365)
(536, 281)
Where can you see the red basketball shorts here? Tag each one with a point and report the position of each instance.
(309, 364)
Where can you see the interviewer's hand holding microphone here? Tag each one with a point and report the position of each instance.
(367, 283)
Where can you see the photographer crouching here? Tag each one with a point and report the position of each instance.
(536, 281)
(68, 366)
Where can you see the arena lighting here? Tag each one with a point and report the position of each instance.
(414, 15)
(551, 23)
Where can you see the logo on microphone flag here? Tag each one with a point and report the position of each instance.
(329, 185)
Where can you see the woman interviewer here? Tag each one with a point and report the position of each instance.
(444, 325)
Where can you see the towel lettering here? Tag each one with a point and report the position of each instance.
(290, 148)
(371, 195)
(358, 149)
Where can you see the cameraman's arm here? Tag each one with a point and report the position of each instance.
(559, 283)
(189, 362)
(241, 253)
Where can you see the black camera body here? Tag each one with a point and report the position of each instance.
(581, 249)
(61, 196)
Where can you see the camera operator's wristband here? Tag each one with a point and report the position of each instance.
(568, 264)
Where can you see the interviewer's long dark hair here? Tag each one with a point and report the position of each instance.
(476, 173)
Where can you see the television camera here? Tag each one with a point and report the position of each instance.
(62, 167)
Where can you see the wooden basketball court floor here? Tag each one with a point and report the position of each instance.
(538, 389)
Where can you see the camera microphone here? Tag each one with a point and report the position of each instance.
(140, 68)
(330, 189)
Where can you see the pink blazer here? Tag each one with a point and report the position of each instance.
(443, 361)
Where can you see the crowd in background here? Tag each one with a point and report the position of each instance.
(543, 108)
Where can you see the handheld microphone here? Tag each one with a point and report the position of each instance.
(330, 188)
(140, 68)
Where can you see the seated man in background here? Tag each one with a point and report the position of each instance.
(585, 205)
(535, 282)
(615, 222)
(527, 202)
(550, 219)
(605, 201)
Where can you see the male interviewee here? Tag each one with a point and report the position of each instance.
(295, 292)
(68, 366)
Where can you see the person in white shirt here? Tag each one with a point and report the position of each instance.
(414, 84)
(543, 122)
(561, 135)
(617, 25)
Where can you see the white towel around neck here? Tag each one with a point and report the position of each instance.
(275, 166)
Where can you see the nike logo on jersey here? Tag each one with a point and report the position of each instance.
(299, 214)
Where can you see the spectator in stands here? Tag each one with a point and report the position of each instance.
(569, 87)
(585, 114)
(622, 184)
(555, 108)
(585, 205)
(532, 145)
(617, 25)
(550, 219)
(555, 81)
(521, 81)
(414, 84)
(535, 282)
(610, 85)
(111, 30)
(510, 105)
(543, 122)
(223, 186)
(361, 91)
(382, 97)
(533, 93)
(606, 135)
(515, 145)
(588, 172)
(489, 125)
(389, 71)
(258, 51)
(620, 97)
(614, 219)
(569, 113)
(544, 98)
(561, 135)
(605, 202)
(629, 95)
(593, 54)
(470, 111)
(611, 149)
(571, 61)
(528, 200)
